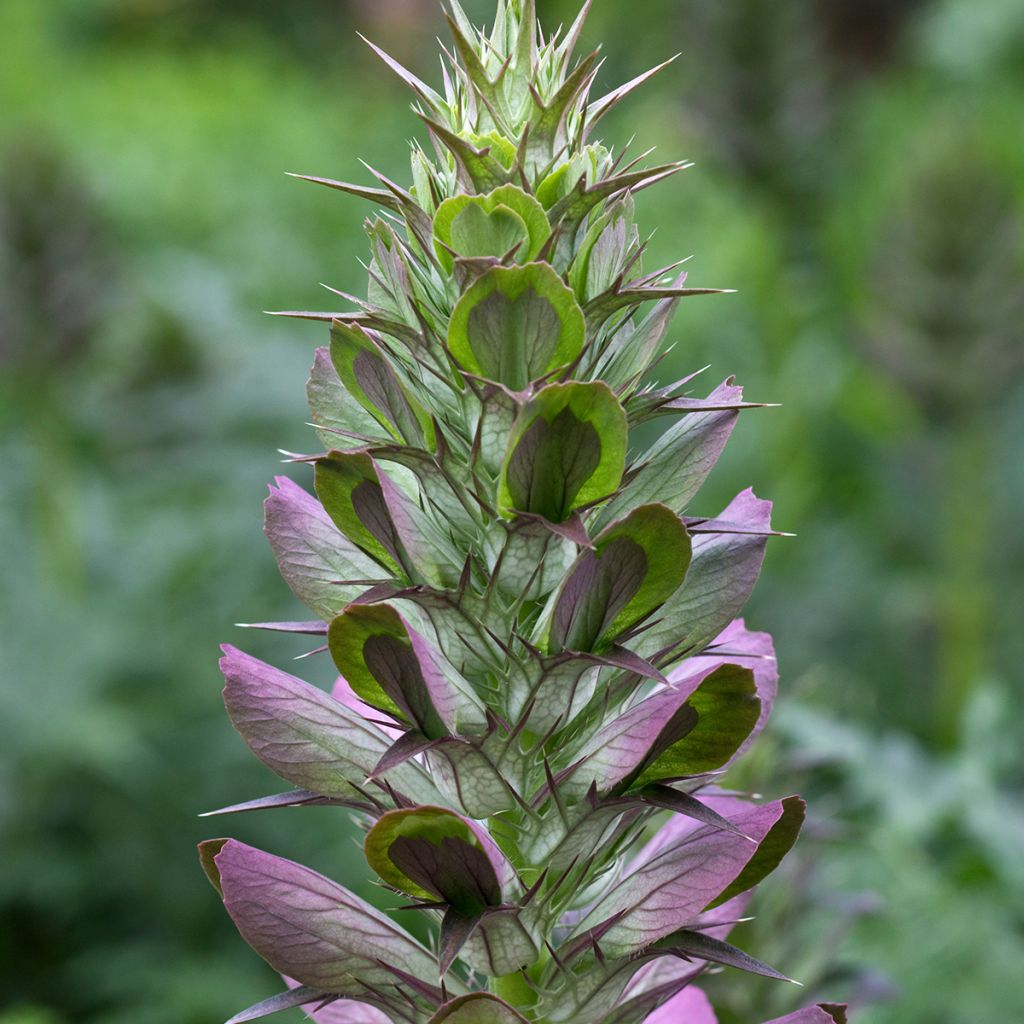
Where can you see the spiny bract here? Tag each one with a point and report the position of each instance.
(542, 675)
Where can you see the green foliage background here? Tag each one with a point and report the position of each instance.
(860, 179)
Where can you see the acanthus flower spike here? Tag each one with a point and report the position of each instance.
(543, 679)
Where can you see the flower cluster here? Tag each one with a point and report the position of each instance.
(542, 676)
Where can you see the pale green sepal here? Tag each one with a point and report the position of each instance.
(491, 225)
(515, 325)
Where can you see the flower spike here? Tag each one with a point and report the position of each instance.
(543, 679)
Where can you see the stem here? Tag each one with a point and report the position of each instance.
(966, 597)
(515, 989)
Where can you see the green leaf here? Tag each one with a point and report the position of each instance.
(208, 850)
(426, 543)
(560, 182)
(602, 255)
(491, 225)
(392, 667)
(727, 710)
(517, 324)
(770, 852)
(477, 1008)
(549, 124)
(567, 450)
(722, 575)
(369, 378)
(332, 408)
(634, 567)
(432, 854)
(476, 231)
(675, 467)
(479, 169)
(349, 489)
(501, 149)
(468, 778)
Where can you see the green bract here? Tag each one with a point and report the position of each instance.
(507, 221)
(567, 449)
(542, 676)
(516, 325)
(633, 568)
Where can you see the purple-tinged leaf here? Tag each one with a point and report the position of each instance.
(477, 1008)
(342, 1011)
(704, 947)
(699, 525)
(311, 552)
(567, 450)
(666, 893)
(295, 798)
(711, 404)
(691, 727)
(431, 555)
(572, 530)
(678, 830)
(310, 928)
(301, 996)
(678, 463)
(315, 628)
(690, 1006)
(728, 711)
(456, 930)
(344, 694)
(661, 979)
(621, 658)
(770, 851)
(635, 565)
(302, 733)
(390, 666)
(722, 575)
(407, 746)
(668, 799)
(343, 423)
(823, 1013)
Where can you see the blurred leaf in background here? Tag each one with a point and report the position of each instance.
(860, 179)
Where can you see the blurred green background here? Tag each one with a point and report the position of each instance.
(859, 179)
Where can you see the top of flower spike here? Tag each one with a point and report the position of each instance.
(514, 102)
